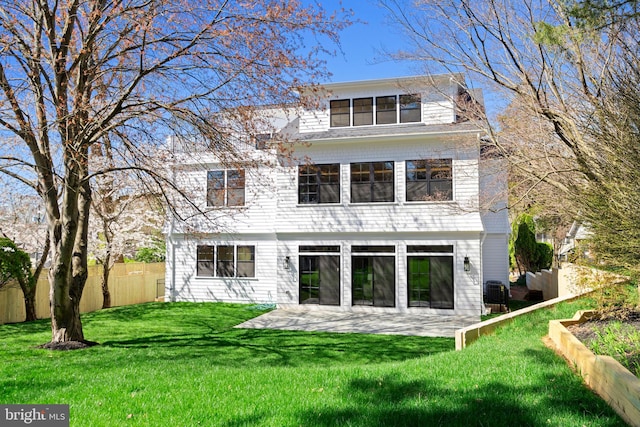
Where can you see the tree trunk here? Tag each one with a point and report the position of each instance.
(69, 272)
(106, 295)
(65, 306)
(30, 302)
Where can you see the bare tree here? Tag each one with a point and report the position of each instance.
(552, 63)
(74, 73)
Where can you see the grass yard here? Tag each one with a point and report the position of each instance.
(184, 364)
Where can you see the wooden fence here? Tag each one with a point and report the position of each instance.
(130, 283)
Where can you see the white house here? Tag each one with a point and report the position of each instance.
(386, 206)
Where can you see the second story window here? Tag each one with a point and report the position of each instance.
(225, 188)
(372, 182)
(340, 112)
(429, 180)
(386, 110)
(319, 183)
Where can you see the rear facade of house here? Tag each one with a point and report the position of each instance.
(386, 205)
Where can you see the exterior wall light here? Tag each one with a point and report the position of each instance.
(287, 263)
(467, 264)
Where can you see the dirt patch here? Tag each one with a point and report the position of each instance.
(68, 345)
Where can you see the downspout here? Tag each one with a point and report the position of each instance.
(483, 309)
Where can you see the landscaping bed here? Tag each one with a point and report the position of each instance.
(618, 338)
(602, 373)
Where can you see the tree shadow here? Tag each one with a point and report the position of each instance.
(388, 401)
(239, 347)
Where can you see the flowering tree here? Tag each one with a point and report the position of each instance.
(74, 74)
(16, 265)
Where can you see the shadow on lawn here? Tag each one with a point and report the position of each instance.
(388, 401)
(239, 347)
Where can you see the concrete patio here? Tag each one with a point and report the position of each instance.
(368, 323)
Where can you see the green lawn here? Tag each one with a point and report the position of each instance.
(183, 364)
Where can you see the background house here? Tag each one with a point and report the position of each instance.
(384, 205)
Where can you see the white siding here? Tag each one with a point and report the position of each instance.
(182, 283)
(255, 217)
(437, 105)
(467, 288)
(399, 216)
(495, 258)
(277, 225)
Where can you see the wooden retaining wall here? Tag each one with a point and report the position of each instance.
(603, 374)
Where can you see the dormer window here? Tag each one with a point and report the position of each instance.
(387, 110)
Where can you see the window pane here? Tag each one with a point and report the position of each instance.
(246, 261)
(371, 249)
(363, 111)
(309, 280)
(418, 279)
(235, 187)
(329, 178)
(339, 113)
(362, 280)
(442, 282)
(224, 264)
(215, 188)
(319, 249)
(204, 262)
(329, 280)
(382, 189)
(319, 183)
(410, 106)
(430, 248)
(429, 180)
(386, 110)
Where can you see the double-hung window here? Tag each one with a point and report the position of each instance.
(386, 110)
(340, 112)
(225, 187)
(372, 182)
(319, 183)
(362, 111)
(225, 261)
(410, 106)
(429, 180)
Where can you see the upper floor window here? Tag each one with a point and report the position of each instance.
(226, 261)
(319, 183)
(386, 109)
(372, 182)
(362, 111)
(340, 112)
(225, 187)
(429, 179)
(410, 106)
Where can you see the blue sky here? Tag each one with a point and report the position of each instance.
(363, 42)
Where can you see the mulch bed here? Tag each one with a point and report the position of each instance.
(588, 331)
